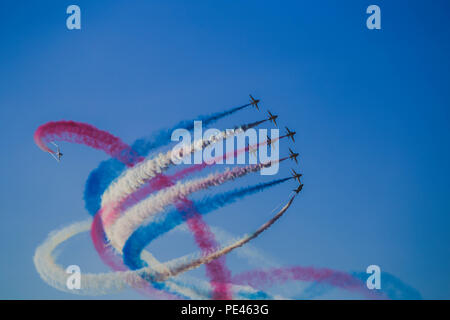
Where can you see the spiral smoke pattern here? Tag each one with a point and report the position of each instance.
(130, 198)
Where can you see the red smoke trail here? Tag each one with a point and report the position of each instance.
(216, 270)
(267, 278)
(112, 260)
(83, 133)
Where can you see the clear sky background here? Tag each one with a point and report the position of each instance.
(371, 110)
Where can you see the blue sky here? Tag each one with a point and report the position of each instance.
(371, 110)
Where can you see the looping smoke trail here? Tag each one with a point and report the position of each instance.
(83, 133)
(144, 235)
(203, 236)
(335, 279)
(133, 179)
(108, 170)
(110, 211)
(186, 263)
(216, 270)
(98, 284)
(144, 211)
(117, 230)
(113, 282)
(101, 177)
(86, 139)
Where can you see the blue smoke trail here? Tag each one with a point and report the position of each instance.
(391, 286)
(101, 177)
(167, 221)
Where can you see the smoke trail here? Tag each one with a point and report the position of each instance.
(145, 210)
(102, 283)
(111, 210)
(91, 136)
(86, 134)
(393, 287)
(133, 179)
(56, 276)
(101, 177)
(98, 284)
(115, 262)
(336, 279)
(216, 270)
(220, 115)
(253, 124)
(113, 282)
(203, 236)
(132, 161)
(167, 221)
(83, 133)
(106, 252)
(187, 263)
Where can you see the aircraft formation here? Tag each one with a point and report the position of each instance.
(290, 134)
(273, 118)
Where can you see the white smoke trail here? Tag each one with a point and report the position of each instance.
(254, 256)
(186, 263)
(56, 276)
(114, 282)
(132, 179)
(144, 211)
(94, 284)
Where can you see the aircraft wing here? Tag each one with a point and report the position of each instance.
(53, 155)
